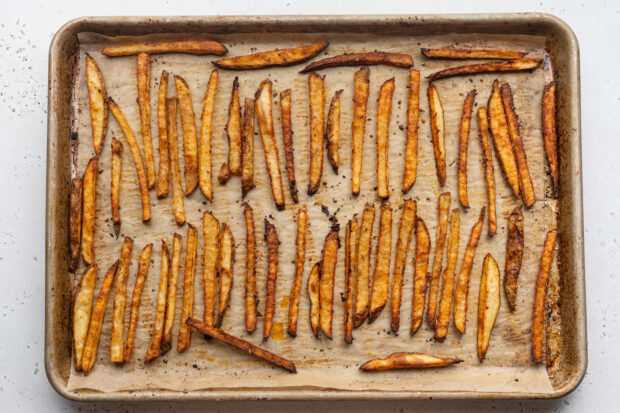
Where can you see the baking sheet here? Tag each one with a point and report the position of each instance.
(324, 363)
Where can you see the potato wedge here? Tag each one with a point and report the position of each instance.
(82, 307)
(287, 138)
(210, 254)
(190, 144)
(178, 206)
(456, 53)
(162, 126)
(413, 116)
(206, 130)
(514, 256)
(198, 47)
(498, 66)
(407, 222)
(187, 310)
(350, 257)
(75, 223)
(408, 361)
(358, 126)
(160, 307)
(332, 131)
(447, 290)
(89, 191)
(316, 97)
(282, 57)
(233, 130)
(488, 304)
(224, 175)
(250, 269)
(144, 104)
(489, 171)
(326, 284)
(120, 293)
(177, 245)
(381, 278)
(115, 187)
(271, 238)
(313, 295)
(549, 132)
(362, 290)
(468, 107)
(300, 259)
(422, 250)
(438, 132)
(384, 113)
(440, 244)
(247, 148)
(97, 98)
(359, 59)
(538, 318)
(227, 261)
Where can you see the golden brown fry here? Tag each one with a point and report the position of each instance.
(422, 249)
(408, 361)
(187, 310)
(287, 138)
(224, 175)
(82, 306)
(313, 295)
(247, 148)
(267, 134)
(381, 278)
(210, 253)
(538, 318)
(162, 126)
(462, 287)
(326, 284)
(250, 269)
(440, 244)
(89, 184)
(233, 130)
(75, 223)
(362, 291)
(117, 169)
(242, 345)
(499, 66)
(514, 256)
(166, 341)
(227, 261)
(175, 171)
(358, 59)
(447, 290)
(525, 181)
(282, 57)
(384, 112)
(89, 354)
(316, 97)
(468, 107)
(120, 292)
(160, 307)
(549, 132)
(454, 53)
(350, 257)
(188, 124)
(407, 222)
(271, 238)
(144, 103)
(438, 132)
(358, 126)
(136, 297)
(137, 159)
(489, 172)
(182, 46)
(332, 132)
(300, 259)
(97, 98)
(488, 303)
(206, 129)
(411, 147)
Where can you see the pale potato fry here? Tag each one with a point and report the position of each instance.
(384, 113)
(187, 310)
(160, 307)
(488, 303)
(120, 293)
(316, 97)
(233, 130)
(175, 171)
(362, 290)
(227, 261)
(224, 175)
(514, 256)
(408, 361)
(177, 244)
(455, 53)
(313, 295)
(190, 144)
(281, 57)
(332, 132)
(75, 223)
(358, 126)
(250, 269)
(489, 172)
(549, 132)
(447, 290)
(300, 259)
(438, 132)
(538, 318)
(422, 250)
(350, 257)
(326, 284)
(144, 104)
(89, 190)
(413, 116)
(211, 237)
(358, 59)
(499, 66)
(182, 46)
(407, 222)
(247, 148)
(440, 244)
(115, 187)
(206, 130)
(381, 278)
(468, 107)
(82, 307)
(271, 238)
(97, 98)
(287, 138)
(162, 126)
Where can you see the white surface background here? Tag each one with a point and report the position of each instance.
(26, 29)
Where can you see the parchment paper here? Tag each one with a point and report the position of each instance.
(320, 363)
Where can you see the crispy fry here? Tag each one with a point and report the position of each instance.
(499, 66)
(233, 130)
(408, 361)
(187, 310)
(89, 354)
(120, 292)
(549, 132)
(422, 249)
(75, 223)
(440, 244)
(381, 278)
(326, 284)
(384, 112)
(227, 261)
(313, 295)
(136, 297)
(287, 138)
(175, 171)
(211, 235)
(407, 222)
(242, 345)
(525, 181)
(250, 269)
(267, 134)
(462, 286)
(350, 257)
(358, 59)
(514, 256)
(538, 318)
(488, 303)
(332, 132)
(247, 148)
(447, 290)
(224, 175)
(454, 53)
(137, 159)
(489, 172)
(358, 126)
(82, 306)
(183, 46)
(144, 103)
(206, 129)
(438, 132)
(188, 124)
(160, 308)
(468, 107)
(362, 291)
(166, 341)
(89, 183)
(117, 169)
(411, 147)
(300, 259)
(162, 126)
(282, 57)
(316, 97)
(97, 98)
(271, 238)
(501, 139)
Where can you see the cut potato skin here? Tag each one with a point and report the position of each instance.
(316, 97)
(187, 309)
(198, 47)
(408, 361)
(447, 290)
(440, 243)
(489, 171)
(89, 191)
(498, 66)
(381, 279)
(300, 259)
(456, 53)
(488, 303)
(422, 250)
(205, 179)
(438, 132)
(75, 223)
(514, 256)
(82, 307)
(358, 59)
(384, 113)
(413, 116)
(362, 290)
(358, 126)
(326, 284)
(272, 58)
(97, 97)
(538, 318)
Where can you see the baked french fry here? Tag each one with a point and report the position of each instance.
(362, 290)
(413, 116)
(358, 59)
(75, 223)
(162, 126)
(316, 97)
(488, 303)
(247, 148)
(175, 171)
(514, 256)
(120, 292)
(489, 172)
(381, 278)
(224, 175)
(89, 354)
(211, 234)
(455, 53)
(538, 318)
(137, 159)
(384, 113)
(300, 259)
(313, 295)
(160, 307)
(144, 104)
(206, 130)
(282, 57)
(182, 46)
(287, 138)
(136, 297)
(407, 222)
(438, 132)
(468, 107)
(250, 269)
(332, 132)
(264, 117)
(440, 244)
(358, 126)
(89, 191)
(408, 361)
(115, 187)
(233, 130)
(499, 66)
(422, 250)
(447, 290)
(187, 310)
(188, 124)
(549, 132)
(227, 261)
(501, 139)
(97, 98)
(82, 307)
(350, 257)
(271, 238)
(326, 284)
(462, 287)
(242, 345)
(166, 341)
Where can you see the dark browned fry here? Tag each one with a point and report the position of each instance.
(206, 129)
(300, 259)
(408, 361)
(407, 222)
(454, 53)
(381, 278)
(287, 138)
(271, 238)
(440, 244)
(316, 97)
(120, 292)
(359, 59)
(233, 130)
(182, 46)
(489, 172)
(144, 104)
(447, 290)
(187, 309)
(411, 147)
(75, 223)
(438, 132)
(97, 98)
(160, 307)
(384, 113)
(350, 258)
(210, 253)
(549, 133)
(247, 148)
(224, 175)
(422, 249)
(358, 126)
(514, 256)
(499, 66)
(175, 170)
(282, 57)
(89, 190)
(332, 132)
(362, 290)
(190, 143)
(162, 126)
(538, 318)
(313, 296)
(326, 284)
(115, 187)
(227, 261)
(250, 269)
(468, 107)
(166, 341)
